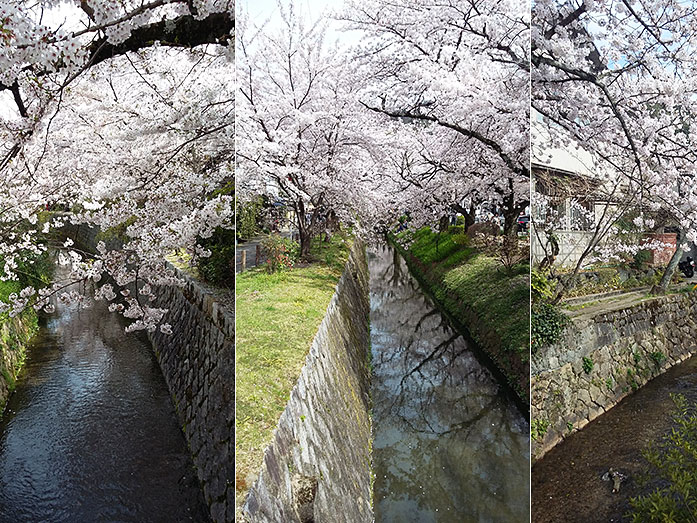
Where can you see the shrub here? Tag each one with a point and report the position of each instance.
(674, 463)
(509, 251)
(547, 325)
(280, 252)
(249, 217)
(541, 287)
(641, 259)
(461, 239)
(538, 428)
(219, 267)
(657, 357)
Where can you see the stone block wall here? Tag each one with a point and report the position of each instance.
(603, 358)
(197, 361)
(15, 336)
(318, 466)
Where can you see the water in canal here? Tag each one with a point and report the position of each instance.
(566, 482)
(90, 433)
(449, 445)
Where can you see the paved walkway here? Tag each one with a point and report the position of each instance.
(592, 304)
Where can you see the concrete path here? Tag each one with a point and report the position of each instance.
(593, 304)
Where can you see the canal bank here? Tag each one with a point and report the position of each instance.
(481, 300)
(90, 433)
(449, 444)
(567, 483)
(610, 349)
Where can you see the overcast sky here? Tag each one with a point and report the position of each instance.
(261, 10)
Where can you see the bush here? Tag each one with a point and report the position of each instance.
(641, 259)
(674, 463)
(280, 252)
(249, 217)
(219, 267)
(657, 357)
(587, 364)
(541, 287)
(461, 239)
(547, 325)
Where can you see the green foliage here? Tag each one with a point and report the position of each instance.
(641, 259)
(541, 287)
(116, 233)
(280, 252)
(587, 365)
(654, 279)
(456, 230)
(657, 357)
(631, 282)
(248, 217)
(547, 325)
(219, 267)
(461, 239)
(673, 462)
(631, 379)
(538, 428)
(430, 247)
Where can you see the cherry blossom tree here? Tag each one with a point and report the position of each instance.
(126, 119)
(454, 77)
(428, 115)
(298, 134)
(619, 79)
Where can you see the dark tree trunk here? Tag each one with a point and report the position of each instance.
(469, 214)
(304, 230)
(305, 243)
(662, 286)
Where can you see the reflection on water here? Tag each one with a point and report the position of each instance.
(90, 434)
(449, 446)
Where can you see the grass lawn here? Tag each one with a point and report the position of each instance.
(277, 318)
(469, 284)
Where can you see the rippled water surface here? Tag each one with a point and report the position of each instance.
(90, 434)
(449, 446)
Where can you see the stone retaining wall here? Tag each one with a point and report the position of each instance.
(197, 361)
(603, 358)
(318, 466)
(15, 334)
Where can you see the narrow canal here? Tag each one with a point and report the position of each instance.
(90, 434)
(449, 445)
(567, 482)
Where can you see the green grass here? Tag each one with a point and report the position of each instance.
(500, 300)
(277, 318)
(16, 332)
(479, 294)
